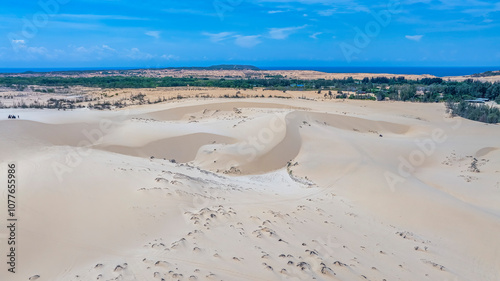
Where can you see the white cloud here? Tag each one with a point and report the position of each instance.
(275, 12)
(188, 12)
(327, 13)
(137, 54)
(484, 10)
(409, 2)
(240, 40)
(37, 50)
(22, 42)
(96, 17)
(108, 48)
(27, 53)
(415, 38)
(247, 41)
(155, 34)
(315, 35)
(81, 50)
(283, 33)
(90, 53)
(346, 6)
(169, 57)
(217, 37)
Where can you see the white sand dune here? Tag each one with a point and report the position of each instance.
(262, 189)
(178, 113)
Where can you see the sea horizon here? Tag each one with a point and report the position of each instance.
(439, 71)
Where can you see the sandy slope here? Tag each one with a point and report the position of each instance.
(260, 189)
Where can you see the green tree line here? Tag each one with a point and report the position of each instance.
(395, 88)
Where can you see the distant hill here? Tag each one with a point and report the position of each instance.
(487, 74)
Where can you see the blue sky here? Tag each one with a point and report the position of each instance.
(112, 33)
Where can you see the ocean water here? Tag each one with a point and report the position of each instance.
(436, 71)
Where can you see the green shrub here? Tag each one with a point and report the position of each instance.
(481, 113)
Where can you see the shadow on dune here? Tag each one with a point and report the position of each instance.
(182, 148)
(31, 132)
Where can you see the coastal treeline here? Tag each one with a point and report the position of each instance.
(476, 112)
(379, 88)
(124, 82)
(394, 88)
